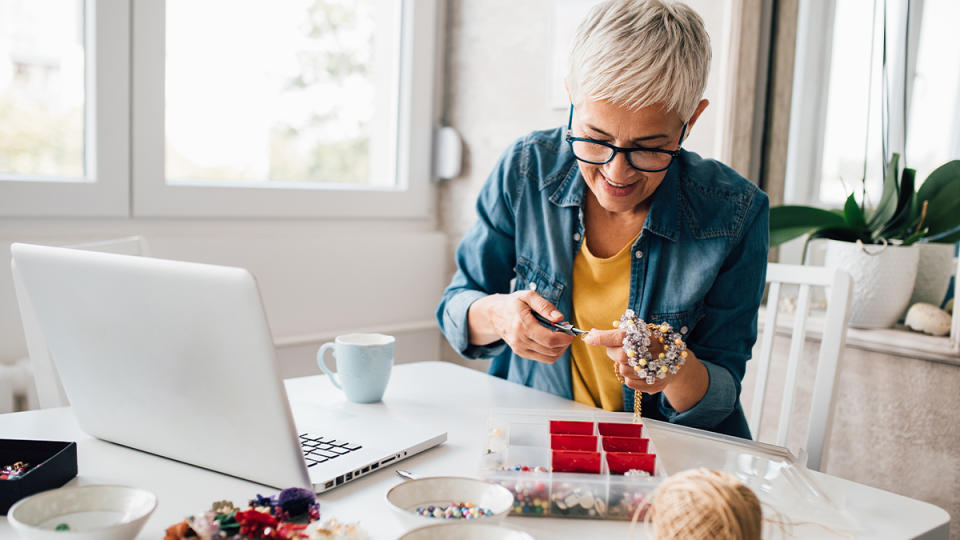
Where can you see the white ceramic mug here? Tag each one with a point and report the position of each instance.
(364, 362)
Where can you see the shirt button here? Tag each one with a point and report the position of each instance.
(638, 254)
(683, 330)
(533, 286)
(576, 237)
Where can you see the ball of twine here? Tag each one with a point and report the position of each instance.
(704, 504)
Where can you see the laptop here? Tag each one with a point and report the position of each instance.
(177, 359)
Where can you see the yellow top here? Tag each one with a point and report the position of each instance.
(601, 288)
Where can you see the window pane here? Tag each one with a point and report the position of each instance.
(288, 91)
(41, 88)
(845, 134)
(933, 135)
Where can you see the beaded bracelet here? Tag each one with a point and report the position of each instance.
(636, 344)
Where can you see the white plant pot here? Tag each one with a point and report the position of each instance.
(933, 273)
(883, 278)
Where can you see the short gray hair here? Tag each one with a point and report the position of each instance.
(637, 53)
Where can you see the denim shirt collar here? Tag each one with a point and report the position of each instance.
(664, 217)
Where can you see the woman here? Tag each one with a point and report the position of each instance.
(610, 214)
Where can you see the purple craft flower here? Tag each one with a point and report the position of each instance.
(296, 501)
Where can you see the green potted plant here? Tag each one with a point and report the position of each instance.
(878, 246)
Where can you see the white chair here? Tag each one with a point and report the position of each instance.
(838, 289)
(49, 389)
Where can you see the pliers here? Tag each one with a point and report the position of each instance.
(565, 327)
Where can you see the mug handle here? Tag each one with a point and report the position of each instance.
(321, 361)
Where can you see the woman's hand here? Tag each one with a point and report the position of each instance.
(613, 341)
(508, 317)
(683, 389)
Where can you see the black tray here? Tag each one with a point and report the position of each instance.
(55, 463)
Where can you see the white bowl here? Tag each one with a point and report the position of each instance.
(473, 530)
(406, 497)
(92, 513)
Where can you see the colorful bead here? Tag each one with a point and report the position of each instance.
(463, 510)
(18, 469)
(576, 500)
(529, 498)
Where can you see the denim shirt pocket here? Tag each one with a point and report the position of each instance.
(681, 321)
(530, 277)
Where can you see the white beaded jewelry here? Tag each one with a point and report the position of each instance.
(637, 339)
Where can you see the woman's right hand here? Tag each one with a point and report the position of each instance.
(508, 317)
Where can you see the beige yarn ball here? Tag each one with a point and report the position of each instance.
(704, 504)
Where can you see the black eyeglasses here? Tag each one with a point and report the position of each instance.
(598, 152)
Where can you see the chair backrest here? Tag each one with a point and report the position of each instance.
(838, 286)
(49, 389)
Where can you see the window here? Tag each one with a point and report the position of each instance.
(290, 91)
(63, 100)
(836, 113)
(41, 90)
(292, 108)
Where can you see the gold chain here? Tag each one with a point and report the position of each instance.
(637, 395)
(637, 400)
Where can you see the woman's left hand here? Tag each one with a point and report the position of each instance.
(613, 341)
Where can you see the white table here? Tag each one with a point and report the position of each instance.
(454, 398)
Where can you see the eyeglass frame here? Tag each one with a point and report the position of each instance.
(618, 149)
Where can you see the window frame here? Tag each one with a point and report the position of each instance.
(104, 191)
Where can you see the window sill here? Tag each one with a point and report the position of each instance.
(896, 341)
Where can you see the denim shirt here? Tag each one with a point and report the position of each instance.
(699, 264)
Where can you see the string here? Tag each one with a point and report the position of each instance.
(702, 504)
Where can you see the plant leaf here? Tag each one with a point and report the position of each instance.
(944, 175)
(907, 181)
(947, 237)
(782, 235)
(894, 229)
(837, 233)
(853, 215)
(789, 222)
(888, 204)
(910, 240)
(943, 211)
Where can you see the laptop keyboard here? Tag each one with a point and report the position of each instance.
(318, 449)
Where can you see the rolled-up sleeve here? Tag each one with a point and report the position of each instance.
(485, 257)
(723, 340)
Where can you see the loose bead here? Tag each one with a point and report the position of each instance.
(463, 510)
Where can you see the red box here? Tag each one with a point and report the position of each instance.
(562, 441)
(571, 427)
(616, 429)
(576, 461)
(621, 462)
(625, 444)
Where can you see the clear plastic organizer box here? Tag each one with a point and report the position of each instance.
(572, 464)
(569, 464)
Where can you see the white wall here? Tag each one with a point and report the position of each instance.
(317, 278)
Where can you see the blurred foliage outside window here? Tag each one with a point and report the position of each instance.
(279, 91)
(42, 93)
